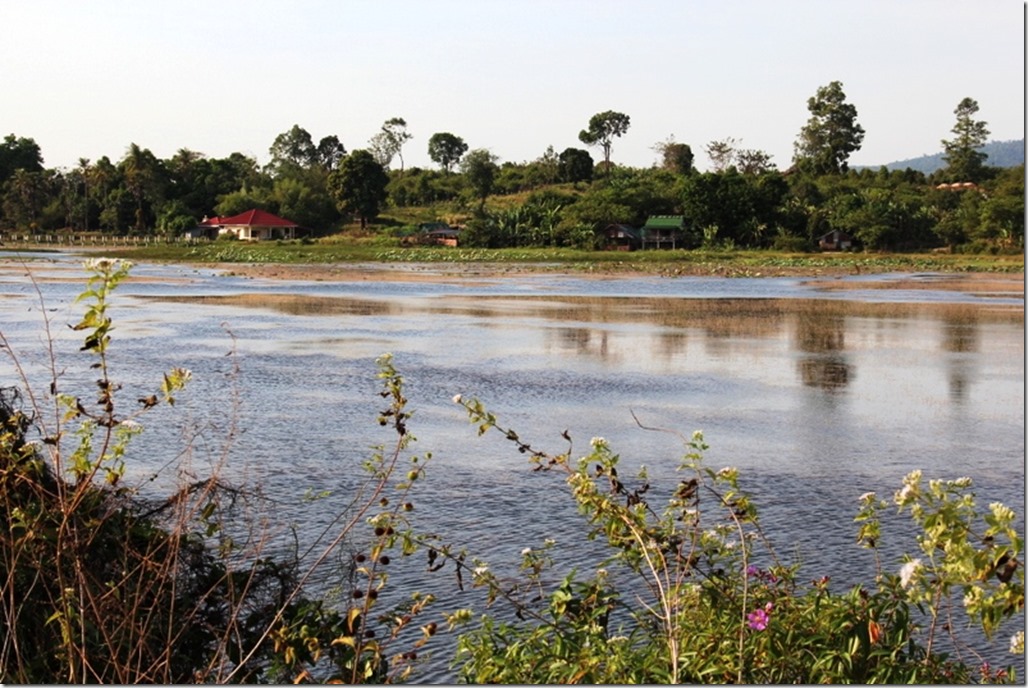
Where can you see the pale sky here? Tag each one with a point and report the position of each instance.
(86, 79)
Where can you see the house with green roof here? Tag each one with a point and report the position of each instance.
(663, 231)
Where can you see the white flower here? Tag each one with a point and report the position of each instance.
(600, 573)
(728, 473)
(549, 542)
(598, 442)
(480, 570)
(99, 264)
(1017, 643)
(907, 572)
(526, 551)
(911, 487)
(1001, 512)
(973, 599)
(457, 398)
(106, 264)
(867, 497)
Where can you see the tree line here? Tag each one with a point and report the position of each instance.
(559, 199)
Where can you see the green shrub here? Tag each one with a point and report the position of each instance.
(790, 243)
(693, 591)
(99, 584)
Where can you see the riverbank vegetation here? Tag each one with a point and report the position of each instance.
(104, 581)
(734, 263)
(562, 201)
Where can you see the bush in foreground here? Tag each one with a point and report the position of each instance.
(693, 591)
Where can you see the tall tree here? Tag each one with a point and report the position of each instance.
(358, 185)
(479, 167)
(575, 165)
(831, 134)
(245, 169)
(26, 193)
(604, 127)
(678, 158)
(292, 151)
(446, 150)
(964, 160)
(144, 175)
(721, 154)
(19, 153)
(753, 161)
(674, 157)
(83, 177)
(548, 165)
(388, 143)
(329, 152)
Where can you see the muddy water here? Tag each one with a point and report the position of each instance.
(816, 395)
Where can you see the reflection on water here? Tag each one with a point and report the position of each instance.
(816, 400)
(822, 340)
(961, 337)
(725, 328)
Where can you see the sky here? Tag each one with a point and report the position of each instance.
(86, 79)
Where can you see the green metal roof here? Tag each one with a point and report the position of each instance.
(665, 222)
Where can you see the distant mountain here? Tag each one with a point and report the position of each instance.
(1001, 154)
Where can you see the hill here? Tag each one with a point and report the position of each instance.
(1001, 154)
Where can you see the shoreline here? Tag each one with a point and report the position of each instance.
(1007, 284)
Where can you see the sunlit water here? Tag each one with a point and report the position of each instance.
(816, 396)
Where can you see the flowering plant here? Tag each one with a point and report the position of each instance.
(759, 618)
(682, 597)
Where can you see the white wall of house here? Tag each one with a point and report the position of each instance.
(251, 233)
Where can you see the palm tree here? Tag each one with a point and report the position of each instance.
(140, 168)
(83, 170)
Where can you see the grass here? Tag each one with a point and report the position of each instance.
(341, 250)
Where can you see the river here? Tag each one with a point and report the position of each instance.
(816, 394)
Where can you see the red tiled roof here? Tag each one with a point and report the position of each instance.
(254, 218)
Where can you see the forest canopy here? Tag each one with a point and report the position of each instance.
(969, 197)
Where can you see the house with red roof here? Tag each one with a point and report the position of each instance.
(253, 225)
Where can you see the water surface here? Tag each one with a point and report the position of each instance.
(816, 395)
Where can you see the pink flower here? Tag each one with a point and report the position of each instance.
(759, 618)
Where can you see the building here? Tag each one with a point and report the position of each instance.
(663, 231)
(835, 240)
(620, 237)
(438, 233)
(253, 225)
